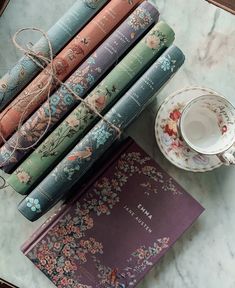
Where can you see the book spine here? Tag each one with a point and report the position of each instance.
(59, 34)
(67, 60)
(101, 167)
(101, 137)
(115, 84)
(81, 82)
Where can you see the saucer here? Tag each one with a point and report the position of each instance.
(169, 141)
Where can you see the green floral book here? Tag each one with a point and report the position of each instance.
(5, 284)
(66, 135)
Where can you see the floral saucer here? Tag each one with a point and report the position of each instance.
(170, 142)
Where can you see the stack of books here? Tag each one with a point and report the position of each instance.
(110, 59)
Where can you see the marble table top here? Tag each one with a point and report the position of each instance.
(205, 255)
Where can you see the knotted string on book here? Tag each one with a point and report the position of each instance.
(46, 63)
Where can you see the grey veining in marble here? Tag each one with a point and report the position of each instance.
(205, 255)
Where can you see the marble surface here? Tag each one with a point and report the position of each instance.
(205, 255)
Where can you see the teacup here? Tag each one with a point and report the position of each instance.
(207, 125)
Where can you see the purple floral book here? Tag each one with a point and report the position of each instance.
(118, 226)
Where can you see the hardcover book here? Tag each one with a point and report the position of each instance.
(228, 5)
(3, 5)
(116, 228)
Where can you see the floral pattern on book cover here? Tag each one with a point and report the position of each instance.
(66, 247)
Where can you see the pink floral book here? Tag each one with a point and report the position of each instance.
(116, 228)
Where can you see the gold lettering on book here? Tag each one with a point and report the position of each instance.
(139, 219)
(145, 211)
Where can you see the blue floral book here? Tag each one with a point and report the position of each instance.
(116, 228)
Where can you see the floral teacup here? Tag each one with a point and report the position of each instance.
(207, 125)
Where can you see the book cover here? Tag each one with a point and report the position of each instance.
(96, 142)
(3, 6)
(81, 82)
(228, 5)
(82, 119)
(5, 284)
(122, 224)
(59, 34)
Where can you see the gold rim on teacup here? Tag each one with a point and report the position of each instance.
(207, 125)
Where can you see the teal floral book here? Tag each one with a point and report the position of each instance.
(116, 228)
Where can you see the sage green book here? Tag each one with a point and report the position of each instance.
(82, 119)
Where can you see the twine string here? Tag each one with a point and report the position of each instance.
(46, 63)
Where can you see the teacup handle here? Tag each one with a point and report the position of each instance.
(228, 157)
